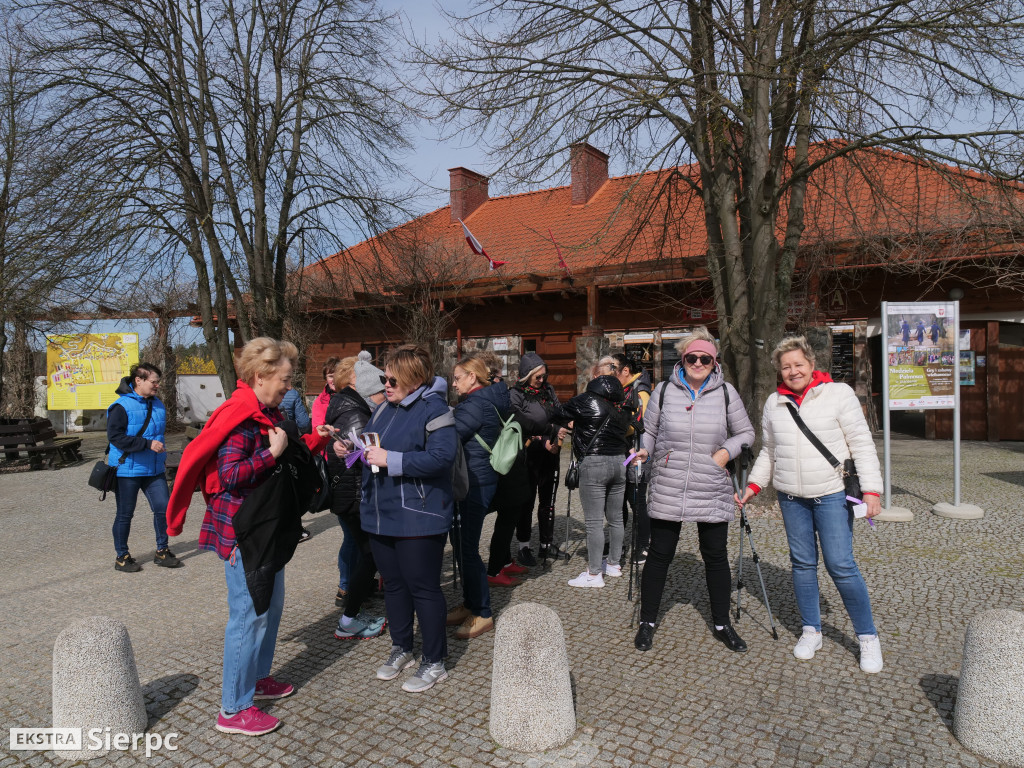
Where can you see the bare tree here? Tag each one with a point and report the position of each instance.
(58, 226)
(409, 277)
(234, 127)
(744, 103)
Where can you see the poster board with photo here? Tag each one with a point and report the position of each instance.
(921, 351)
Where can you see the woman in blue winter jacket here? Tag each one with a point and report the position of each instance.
(135, 429)
(482, 408)
(406, 509)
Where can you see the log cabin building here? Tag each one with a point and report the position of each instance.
(617, 263)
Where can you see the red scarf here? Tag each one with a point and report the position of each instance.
(199, 460)
(817, 377)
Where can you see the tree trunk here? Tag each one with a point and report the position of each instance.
(19, 374)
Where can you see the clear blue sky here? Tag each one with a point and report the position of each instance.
(433, 156)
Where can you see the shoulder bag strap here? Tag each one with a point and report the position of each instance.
(725, 391)
(593, 440)
(810, 436)
(501, 421)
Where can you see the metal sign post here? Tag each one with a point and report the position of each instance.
(920, 371)
(889, 513)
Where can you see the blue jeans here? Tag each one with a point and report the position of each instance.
(831, 521)
(126, 494)
(348, 554)
(472, 510)
(249, 640)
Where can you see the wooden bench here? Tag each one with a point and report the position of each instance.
(37, 439)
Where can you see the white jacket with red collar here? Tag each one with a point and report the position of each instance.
(832, 412)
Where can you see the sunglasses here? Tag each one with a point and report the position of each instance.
(704, 359)
(391, 381)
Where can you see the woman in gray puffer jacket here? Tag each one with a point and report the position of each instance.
(694, 424)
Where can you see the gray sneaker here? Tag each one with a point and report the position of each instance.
(425, 677)
(397, 661)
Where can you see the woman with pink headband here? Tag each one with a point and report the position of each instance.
(694, 424)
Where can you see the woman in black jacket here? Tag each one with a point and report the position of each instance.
(534, 401)
(348, 411)
(599, 444)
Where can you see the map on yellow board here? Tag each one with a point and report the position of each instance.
(84, 369)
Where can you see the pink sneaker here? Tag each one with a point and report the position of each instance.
(269, 688)
(251, 722)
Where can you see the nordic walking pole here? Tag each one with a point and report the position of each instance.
(745, 459)
(554, 498)
(456, 546)
(634, 566)
(739, 569)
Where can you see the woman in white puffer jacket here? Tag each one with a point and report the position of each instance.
(811, 491)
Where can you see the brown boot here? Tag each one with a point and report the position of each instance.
(458, 615)
(474, 626)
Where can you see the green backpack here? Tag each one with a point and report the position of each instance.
(507, 446)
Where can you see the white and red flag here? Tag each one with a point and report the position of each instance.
(561, 262)
(478, 249)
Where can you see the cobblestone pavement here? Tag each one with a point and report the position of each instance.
(688, 702)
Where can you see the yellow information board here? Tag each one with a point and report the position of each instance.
(84, 369)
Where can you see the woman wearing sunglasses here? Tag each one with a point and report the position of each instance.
(406, 509)
(694, 424)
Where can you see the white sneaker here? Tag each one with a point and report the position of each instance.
(587, 579)
(809, 642)
(611, 569)
(870, 653)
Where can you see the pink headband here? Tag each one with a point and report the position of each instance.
(702, 346)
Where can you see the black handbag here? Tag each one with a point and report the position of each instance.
(322, 496)
(104, 476)
(572, 474)
(851, 480)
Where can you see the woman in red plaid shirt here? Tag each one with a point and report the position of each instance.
(235, 452)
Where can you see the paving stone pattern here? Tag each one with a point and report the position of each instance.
(687, 702)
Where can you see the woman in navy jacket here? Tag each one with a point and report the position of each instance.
(482, 408)
(407, 509)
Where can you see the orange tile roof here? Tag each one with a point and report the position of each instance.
(905, 198)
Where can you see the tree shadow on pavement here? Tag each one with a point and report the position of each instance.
(165, 693)
(686, 583)
(322, 649)
(941, 692)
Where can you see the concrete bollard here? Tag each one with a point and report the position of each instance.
(988, 717)
(96, 683)
(531, 694)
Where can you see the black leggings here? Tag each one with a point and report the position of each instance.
(542, 466)
(360, 583)
(501, 539)
(713, 538)
(509, 498)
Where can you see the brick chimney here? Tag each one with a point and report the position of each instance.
(589, 171)
(468, 191)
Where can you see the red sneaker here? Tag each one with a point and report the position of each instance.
(503, 580)
(515, 569)
(269, 688)
(250, 722)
